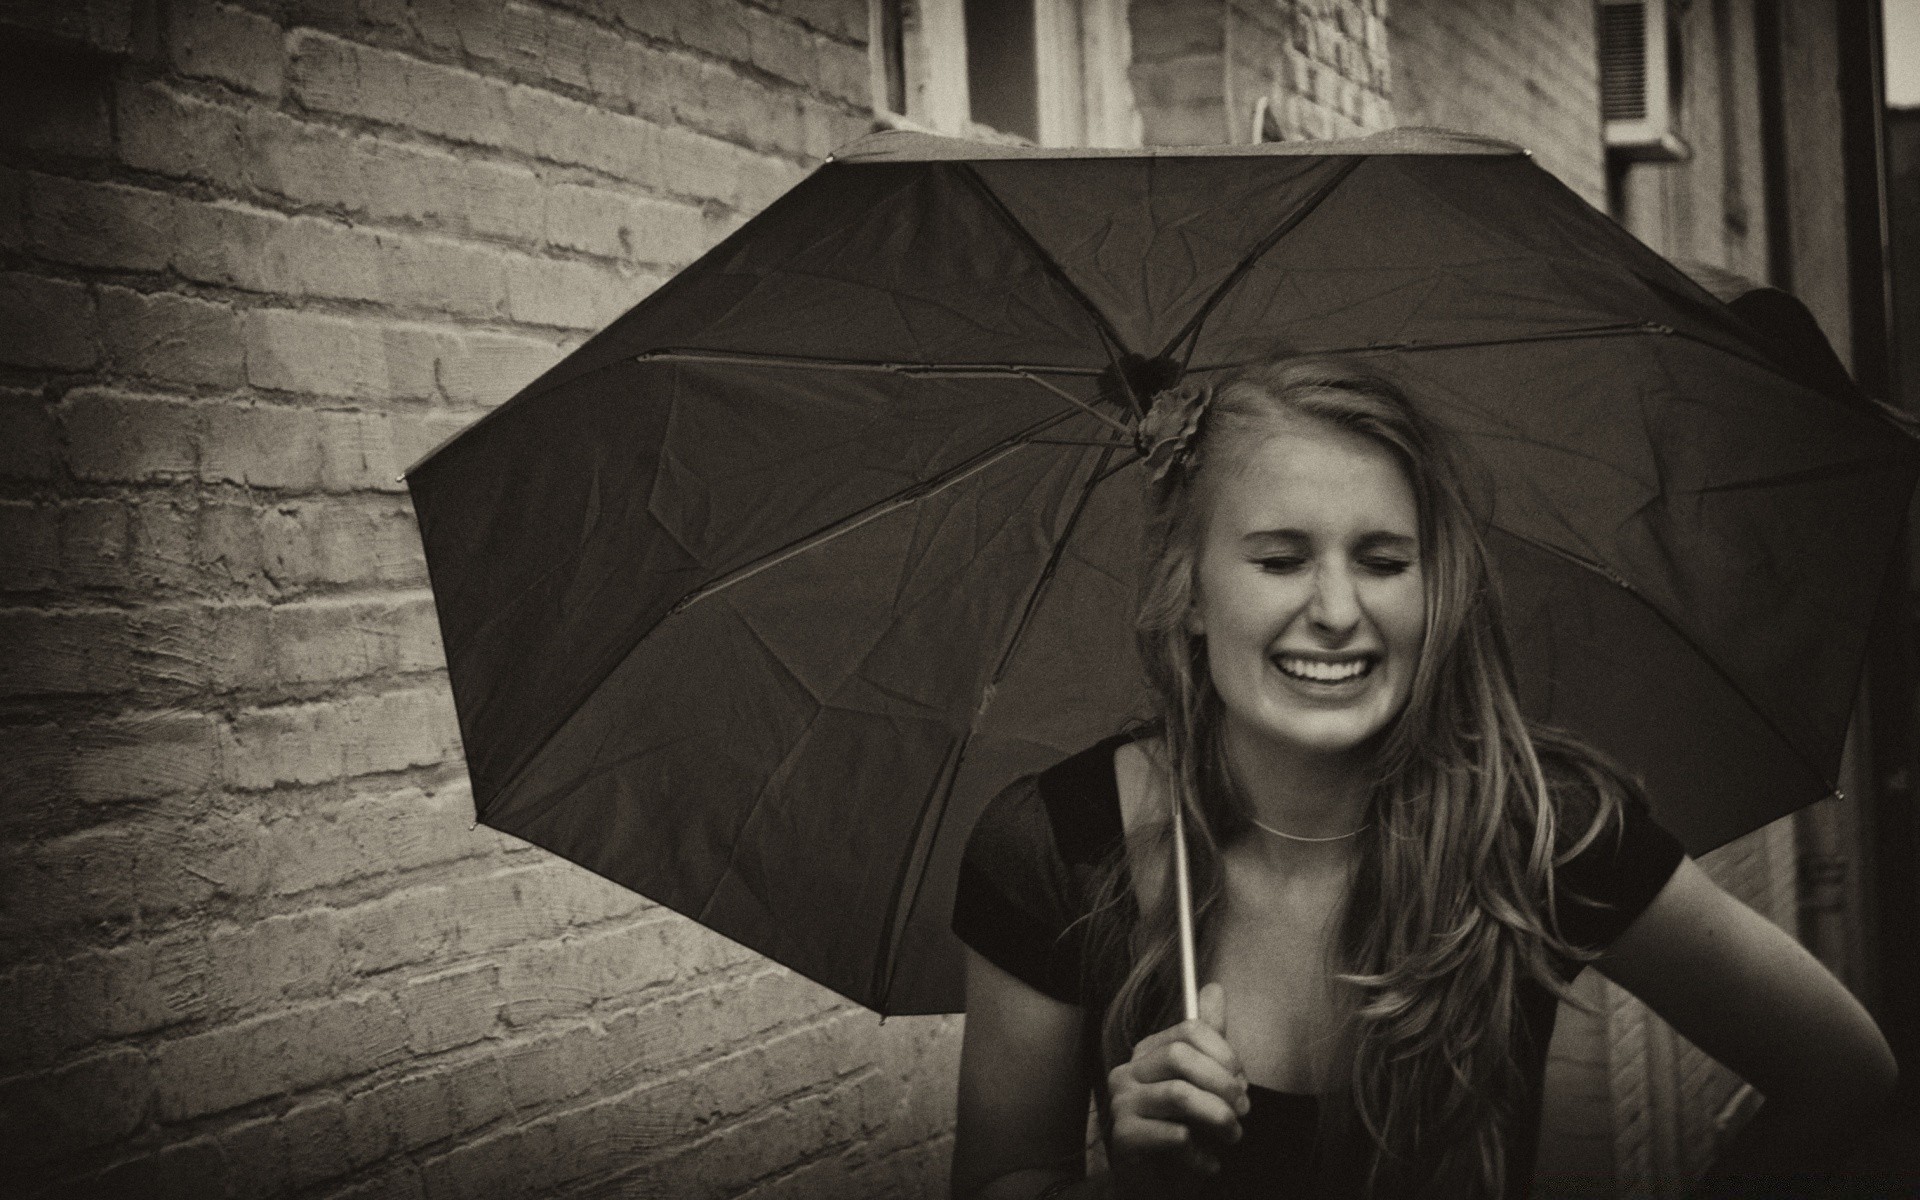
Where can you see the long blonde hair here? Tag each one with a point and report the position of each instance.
(1451, 908)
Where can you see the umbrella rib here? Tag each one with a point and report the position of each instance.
(1109, 336)
(1687, 639)
(872, 512)
(803, 363)
(1190, 334)
(902, 908)
(1617, 329)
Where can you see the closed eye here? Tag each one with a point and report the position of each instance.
(1387, 566)
(1280, 564)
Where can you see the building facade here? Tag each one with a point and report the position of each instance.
(257, 256)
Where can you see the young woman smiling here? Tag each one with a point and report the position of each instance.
(1395, 876)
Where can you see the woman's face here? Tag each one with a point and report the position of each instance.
(1308, 586)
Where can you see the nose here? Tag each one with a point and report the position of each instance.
(1334, 608)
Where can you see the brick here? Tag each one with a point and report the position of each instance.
(844, 20)
(332, 75)
(703, 1023)
(161, 130)
(356, 358)
(484, 369)
(392, 832)
(329, 640)
(570, 294)
(137, 988)
(160, 552)
(46, 323)
(28, 449)
(337, 76)
(227, 44)
(268, 446)
(88, 1102)
(238, 246)
(554, 46)
(602, 221)
(451, 1008)
(99, 224)
(55, 1007)
(532, 904)
(616, 965)
(415, 435)
(479, 1090)
(29, 547)
(253, 1156)
(345, 541)
(93, 543)
(114, 436)
(156, 754)
(397, 1181)
(102, 25)
(171, 337)
(318, 743)
(275, 1054)
(154, 862)
(66, 653)
(414, 1111)
(294, 449)
(393, 181)
(331, 1137)
(171, 1171)
(403, 928)
(479, 1170)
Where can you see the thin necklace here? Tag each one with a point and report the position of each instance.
(1294, 837)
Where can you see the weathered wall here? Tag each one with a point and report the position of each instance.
(1199, 66)
(1526, 71)
(254, 260)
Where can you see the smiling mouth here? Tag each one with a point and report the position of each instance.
(1313, 670)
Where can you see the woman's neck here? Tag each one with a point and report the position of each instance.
(1299, 793)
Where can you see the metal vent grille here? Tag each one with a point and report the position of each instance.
(1623, 62)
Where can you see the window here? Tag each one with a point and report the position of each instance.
(1051, 72)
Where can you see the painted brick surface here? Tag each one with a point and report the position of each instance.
(1526, 73)
(255, 259)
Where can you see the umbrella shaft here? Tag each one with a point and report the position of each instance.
(1183, 915)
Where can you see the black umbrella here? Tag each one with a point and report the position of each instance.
(752, 602)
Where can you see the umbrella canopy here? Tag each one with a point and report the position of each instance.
(752, 602)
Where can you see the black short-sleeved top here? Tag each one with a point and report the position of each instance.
(1026, 883)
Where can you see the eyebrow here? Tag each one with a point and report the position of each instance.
(1368, 541)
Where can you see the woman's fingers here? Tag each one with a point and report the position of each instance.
(1165, 1140)
(1182, 1095)
(1181, 1101)
(1183, 1060)
(1200, 1036)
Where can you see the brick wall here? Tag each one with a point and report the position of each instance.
(1199, 66)
(1527, 71)
(254, 260)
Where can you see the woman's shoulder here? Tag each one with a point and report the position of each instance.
(1070, 809)
(1612, 855)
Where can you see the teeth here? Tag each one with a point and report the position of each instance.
(1322, 672)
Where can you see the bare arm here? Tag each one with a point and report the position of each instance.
(1745, 992)
(1023, 1090)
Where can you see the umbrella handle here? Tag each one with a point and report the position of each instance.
(1183, 917)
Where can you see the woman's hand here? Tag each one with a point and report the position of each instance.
(1176, 1102)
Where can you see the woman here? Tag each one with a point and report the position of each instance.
(1394, 875)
